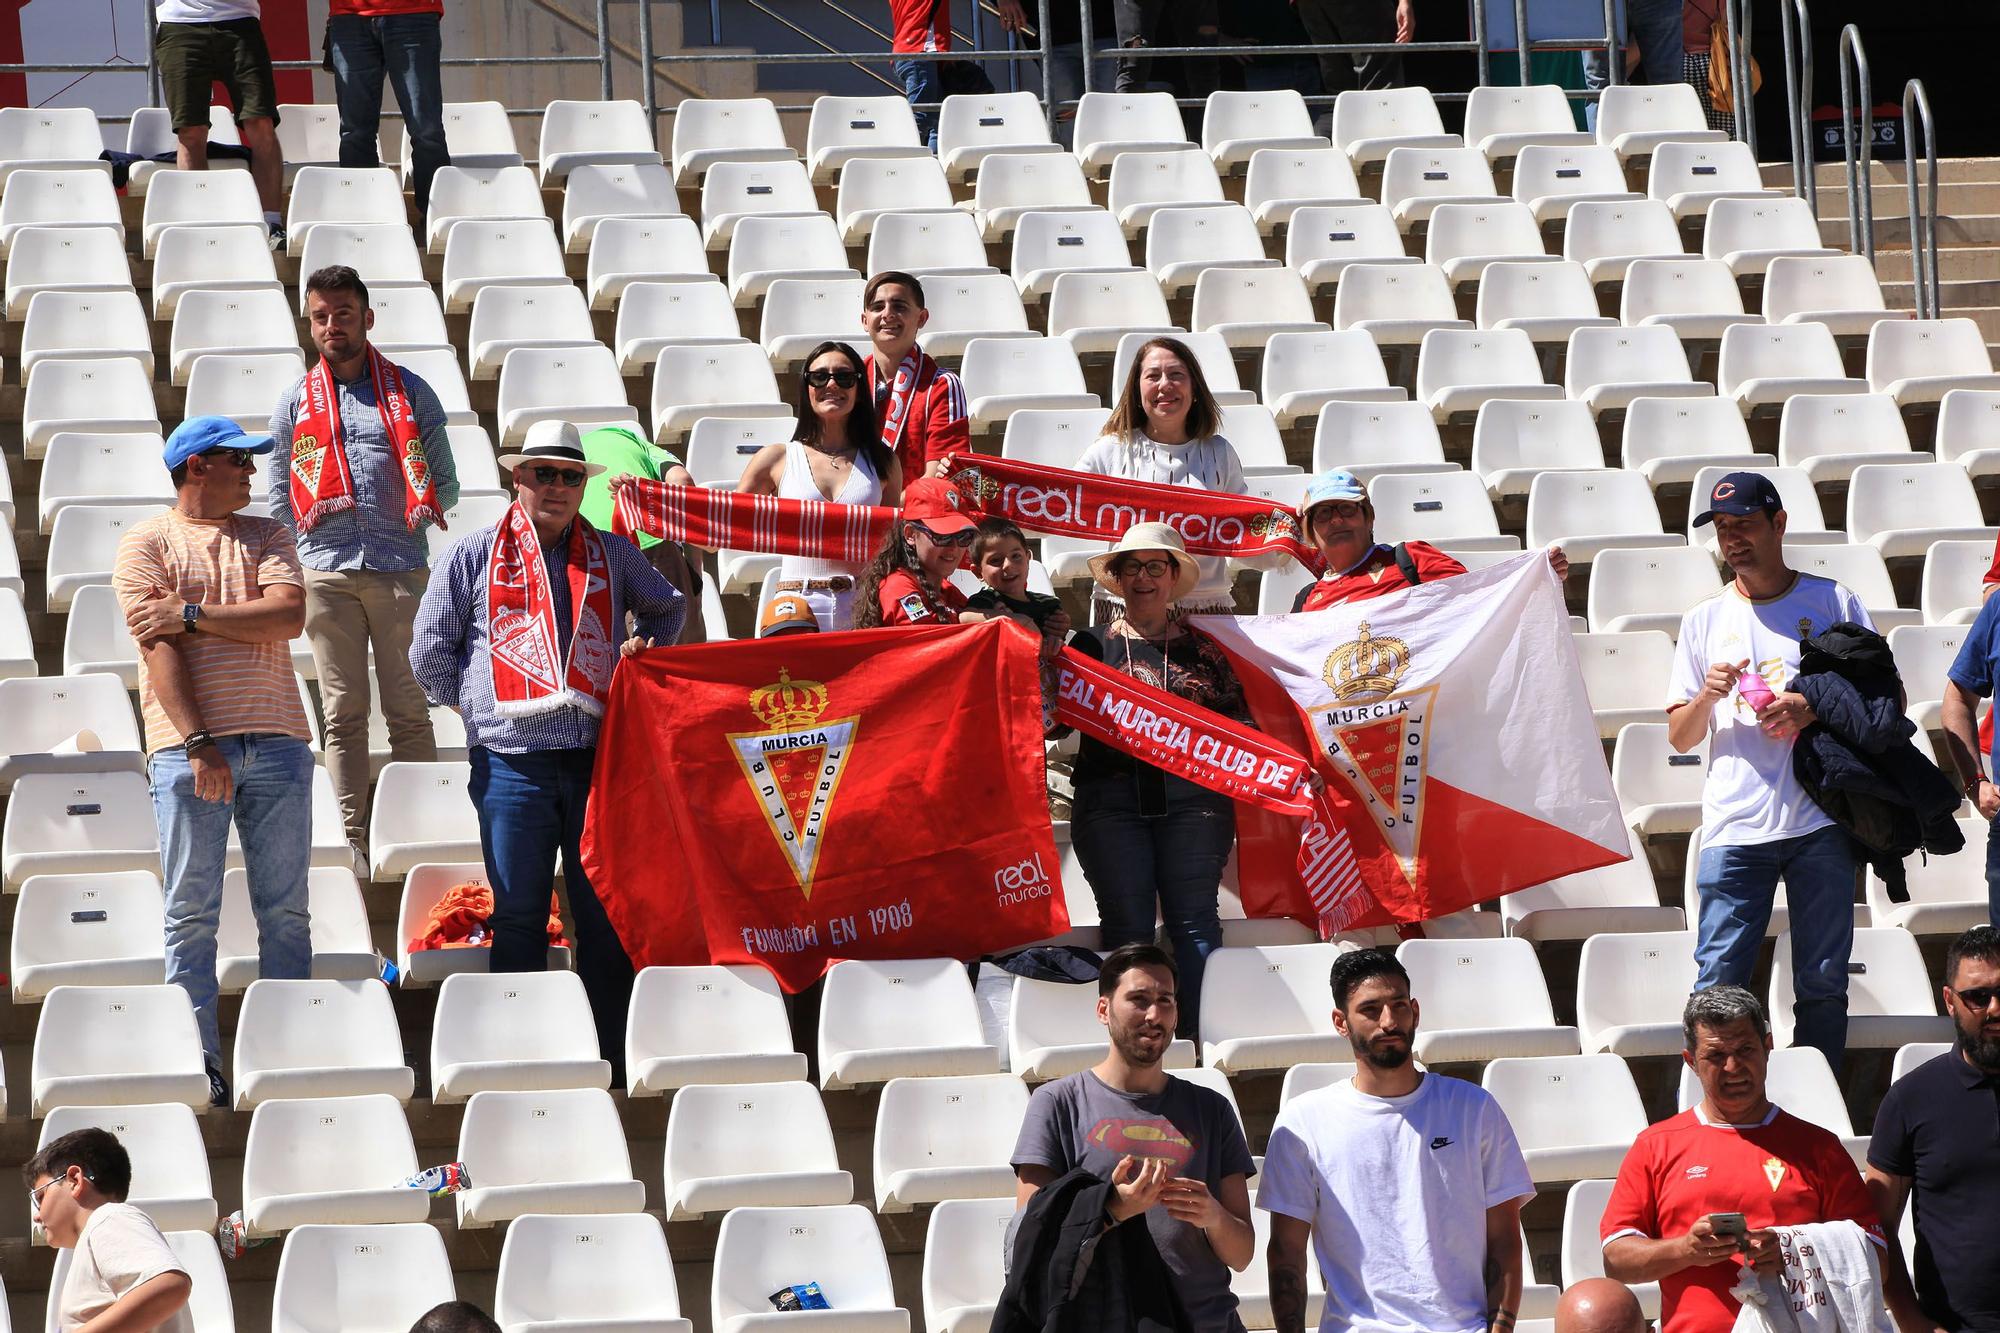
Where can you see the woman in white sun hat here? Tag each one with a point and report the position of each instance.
(1145, 836)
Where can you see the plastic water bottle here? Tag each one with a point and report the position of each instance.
(1755, 691)
(437, 1181)
(233, 1237)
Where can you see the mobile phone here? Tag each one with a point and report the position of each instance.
(1730, 1225)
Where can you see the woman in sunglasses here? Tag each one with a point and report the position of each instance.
(1143, 836)
(909, 580)
(1167, 429)
(836, 456)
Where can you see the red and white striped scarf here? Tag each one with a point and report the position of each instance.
(529, 673)
(321, 482)
(813, 529)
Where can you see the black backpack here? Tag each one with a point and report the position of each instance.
(1404, 561)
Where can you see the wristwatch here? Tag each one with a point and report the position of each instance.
(190, 617)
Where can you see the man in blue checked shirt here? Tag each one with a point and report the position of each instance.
(364, 468)
(520, 632)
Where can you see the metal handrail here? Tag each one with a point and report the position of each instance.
(1923, 224)
(1736, 15)
(1795, 19)
(1858, 150)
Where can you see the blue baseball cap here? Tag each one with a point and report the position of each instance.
(1336, 484)
(197, 435)
(1740, 493)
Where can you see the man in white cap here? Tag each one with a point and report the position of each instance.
(520, 630)
(1339, 521)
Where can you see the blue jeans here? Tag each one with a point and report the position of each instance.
(1737, 885)
(404, 48)
(530, 811)
(271, 804)
(922, 83)
(1993, 881)
(1066, 80)
(1174, 858)
(1656, 26)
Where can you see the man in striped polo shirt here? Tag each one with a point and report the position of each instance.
(213, 598)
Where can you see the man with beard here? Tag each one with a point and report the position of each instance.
(1937, 1137)
(1174, 1152)
(1410, 1185)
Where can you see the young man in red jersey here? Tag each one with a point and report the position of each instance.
(920, 407)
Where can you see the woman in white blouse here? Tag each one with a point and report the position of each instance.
(1165, 429)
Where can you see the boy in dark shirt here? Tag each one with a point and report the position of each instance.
(1000, 559)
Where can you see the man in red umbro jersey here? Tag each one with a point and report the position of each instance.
(920, 407)
(401, 40)
(1732, 1152)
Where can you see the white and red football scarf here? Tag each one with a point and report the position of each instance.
(320, 479)
(1086, 504)
(812, 529)
(529, 673)
(902, 392)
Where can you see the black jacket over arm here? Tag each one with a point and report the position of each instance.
(1071, 1275)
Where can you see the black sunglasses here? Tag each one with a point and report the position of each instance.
(846, 379)
(963, 537)
(240, 457)
(1978, 998)
(568, 476)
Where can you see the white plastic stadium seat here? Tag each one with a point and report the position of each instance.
(801, 313)
(42, 719)
(1588, 512)
(1305, 371)
(504, 318)
(1575, 1114)
(1395, 304)
(87, 394)
(1482, 999)
(507, 253)
(963, 1270)
(1368, 124)
(461, 193)
(1324, 239)
(242, 387)
(56, 199)
(359, 1279)
(1659, 789)
(1550, 179)
(657, 315)
(1281, 181)
(207, 321)
(1415, 181)
(1690, 177)
(421, 814)
(512, 1032)
(85, 325)
(884, 1020)
(117, 1046)
(596, 192)
(1637, 118)
(1247, 307)
(87, 930)
(1053, 1030)
(1630, 989)
(1649, 589)
(1747, 234)
(972, 126)
(719, 448)
(689, 383)
(1500, 121)
(1447, 509)
(1049, 243)
(1111, 125)
(1921, 360)
(1968, 430)
(761, 1250)
(968, 306)
(1890, 999)
(1146, 183)
(1513, 441)
(1237, 125)
(946, 1138)
(1616, 899)
(1954, 574)
(318, 1039)
(17, 644)
(580, 384)
(383, 253)
(406, 319)
(927, 244)
(1828, 435)
(873, 188)
(1269, 1008)
(1004, 376)
(604, 1271)
(547, 1151)
(711, 1024)
(1547, 299)
(196, 199)
(321, 193)
(1607, 237)
(1839, 291)
(1459, 369)
(1674, 441)
(1761, 365)
(1924, 656)
(576, 134)
(76, 824)
(170, 1179)
(1372, 438)
(1947, 893)
(763, 249)
(1582, 1248)
(329, 1160)
(711, 130)
(1182, 242)
(425, 886)
(1901, 510)
(732, 191)
(1696, 298)
(841, 129)
(747, 1144)
(67, 259)
(1094, 310)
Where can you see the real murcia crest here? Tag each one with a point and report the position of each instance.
(1376, 737)
(794, 767)
(307, 457)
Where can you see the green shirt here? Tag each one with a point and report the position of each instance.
(623, 454)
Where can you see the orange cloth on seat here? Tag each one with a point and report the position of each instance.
(463, 909)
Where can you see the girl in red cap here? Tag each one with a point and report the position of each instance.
(908, 581)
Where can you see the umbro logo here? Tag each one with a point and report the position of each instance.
(1697, 1173)
(1441, 1141)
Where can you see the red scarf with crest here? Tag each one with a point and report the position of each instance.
(530, 674)
(321, 481)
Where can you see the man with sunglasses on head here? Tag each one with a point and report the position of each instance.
(213, 598)
(919, 406)
(519, 633)
(1936, 1148)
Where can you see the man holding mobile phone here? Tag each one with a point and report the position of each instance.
(1700, 1194)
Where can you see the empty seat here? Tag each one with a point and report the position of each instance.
(1761, 365)
(1482, 999)
(712, 1024)
(1551, 179)
(56, 199)
(744, 1144)
(1625, 677)
(1649, 589)
(873, 188)
(480, 134)
(1827, 435)
(1003, 376)
(1053, 1030)
(1575, 1114)
(801, 313)
(1368, 124)
(1415, 181)
(1839, 291)
(1546, 299)
(318, 1039)
(85, 325)
(1659, 788)
(1613, 899)
(927, 244)
(1747, 234)
(946, 1138)
(1248, 306)
(66, 724)
(609, 133)
(974, 126)
(83, 543)
(359, 1279)
(242, 387)
(1280, 181)
(17, 645)
(513, 1031)
(1111, 125)
(170, 1179)
(1924, 656)
(964, 1270)
(1901, 510)
(66, 259)
(1395, 304)
(1635, 119)
(421, 814)
(1049, 243)
(517, 252)
(1947, 893)
(1954, 575)
(1268, 1008)
(712, 130)
(1606, 237)
(1305, 371)
(1094, 310)
(1690, 177)
(966, 306)
(763, 249)
(1324, 239)
(342, 194)
(406, 319)
(579, 383)
(439, 368)
(329, 1160)
(1583, 1250)
(628, 250)
(1513, 440)
(1696, 298)
(1588, 512)
(1501, 121)
(732, 380)
(552, 1150)
(1465, 239)
(383, 253)
(462, 193)
(1673, 440)
(1146, 183)
(78, 823)
(207, 322)
(1237, 125)
(604, 1271)
(1372, 438)
(884, 1020)
(1183, 242)
(760, 1250)
(1920, 360)
(1630, 989)
(1968, 430)
(87, 930)
(657, 315)
(116, 1046)
(196, 199)
(1459, 369)
(597, 191)
(732, 191)
(504, 318)
(841, 129)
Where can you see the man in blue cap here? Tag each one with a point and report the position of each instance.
(1738, 654)
(213, 598)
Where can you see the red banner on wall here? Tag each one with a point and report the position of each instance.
(868, 794)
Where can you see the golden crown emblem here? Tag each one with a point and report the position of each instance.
(1367, 666)
(789, 703)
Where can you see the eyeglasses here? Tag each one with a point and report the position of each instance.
(241, 457)
(568, 476)
(845, 379)
(1978, 998)
(961, 538)
(1346, 509)
(1152, 569)
(35, 1194)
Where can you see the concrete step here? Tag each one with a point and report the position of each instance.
(1957, 264)
(1977, 229)
(1953, 296)
(1833, 175)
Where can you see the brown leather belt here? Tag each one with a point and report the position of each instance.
(838, 583)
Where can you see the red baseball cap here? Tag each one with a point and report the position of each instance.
(938, 505)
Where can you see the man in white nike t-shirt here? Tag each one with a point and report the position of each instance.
(1410, 1184)
(1757, 823)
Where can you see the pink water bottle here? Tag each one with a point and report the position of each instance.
(1755, 691)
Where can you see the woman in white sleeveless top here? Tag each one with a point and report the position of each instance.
(835, 455)
(1166, 429)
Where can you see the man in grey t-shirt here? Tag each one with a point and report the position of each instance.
(1174, 1150)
